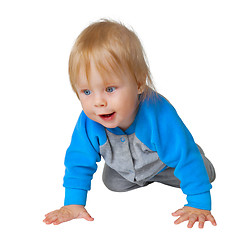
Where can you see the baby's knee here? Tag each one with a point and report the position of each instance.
(208, 165)
(210, 169)
(212, 174)
(111, 185)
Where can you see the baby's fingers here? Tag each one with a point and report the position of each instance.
(179, 212)
(86, 216)
(211, 219)
(181, 219)
(201, 220)
(192, 219)
(60, 219)
(50, 218)
(51, 213)
(56, 217)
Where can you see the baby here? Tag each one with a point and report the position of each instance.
(136, 130)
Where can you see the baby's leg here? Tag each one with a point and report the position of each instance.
(167, 176)
(115, 182)
(208, 165)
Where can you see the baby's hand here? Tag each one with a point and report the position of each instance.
(67, 213)
(194, 215)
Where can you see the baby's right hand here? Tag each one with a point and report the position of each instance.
(67, 213)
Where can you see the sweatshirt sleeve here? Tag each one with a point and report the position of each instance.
(177, 149)
(80, 163)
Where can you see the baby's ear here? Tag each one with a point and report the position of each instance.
(140, 89)
(141, 82)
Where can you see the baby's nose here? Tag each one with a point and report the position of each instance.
(100, 102)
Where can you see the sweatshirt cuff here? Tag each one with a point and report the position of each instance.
(200, 201)
(75, 196)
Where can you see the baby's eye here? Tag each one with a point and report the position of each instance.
(110, 89)
(87, 92)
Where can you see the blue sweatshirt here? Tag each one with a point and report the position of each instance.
(155, 140)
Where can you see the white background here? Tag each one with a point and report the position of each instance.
(194, 54)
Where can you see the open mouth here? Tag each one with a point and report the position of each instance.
(107, 117)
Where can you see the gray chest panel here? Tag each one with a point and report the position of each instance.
(133, 160)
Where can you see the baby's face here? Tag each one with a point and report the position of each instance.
(112, 103)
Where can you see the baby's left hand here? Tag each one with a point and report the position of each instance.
(193, 215)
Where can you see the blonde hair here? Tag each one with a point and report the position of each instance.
(114, 49)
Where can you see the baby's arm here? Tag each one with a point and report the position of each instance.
(193, 215)
(67, 213)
